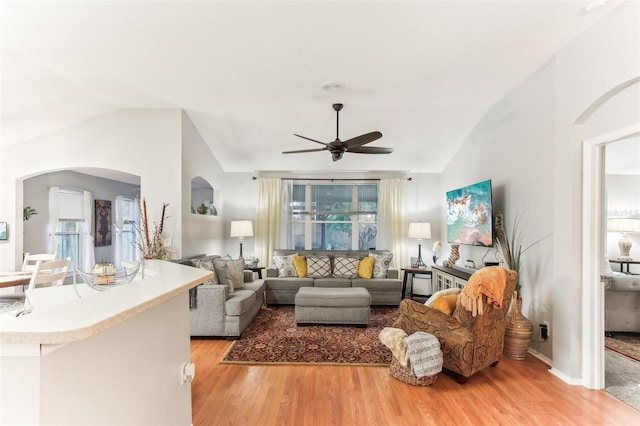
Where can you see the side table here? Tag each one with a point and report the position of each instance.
(412, 272)
(623, 262)
(257, 269)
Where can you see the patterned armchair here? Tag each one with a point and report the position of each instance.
(469, 343)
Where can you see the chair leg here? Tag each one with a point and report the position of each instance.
(495, 363)
(456, 376)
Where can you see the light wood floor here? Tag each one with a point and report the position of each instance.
(513, 393)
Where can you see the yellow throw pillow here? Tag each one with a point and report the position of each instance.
(365, 267)
(446, 304)
(300, 263)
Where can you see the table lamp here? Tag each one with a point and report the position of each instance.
(241, 229)
(623, 225)
(420, 231)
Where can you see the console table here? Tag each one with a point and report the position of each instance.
(445, 277)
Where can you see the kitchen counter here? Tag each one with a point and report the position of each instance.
(106, 357)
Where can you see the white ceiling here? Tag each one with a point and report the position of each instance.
(249, 74)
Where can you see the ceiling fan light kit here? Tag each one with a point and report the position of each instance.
(337, 148)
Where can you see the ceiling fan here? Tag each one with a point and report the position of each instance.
(337, 148)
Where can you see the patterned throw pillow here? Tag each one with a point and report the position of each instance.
(208, 265)
(381, 266)
(345, 267)
(318, 267)
(285, 265)
(230, 273)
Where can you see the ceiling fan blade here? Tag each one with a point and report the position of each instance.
(371, 150)
(304, 150)
(312, 140)
(362, 139)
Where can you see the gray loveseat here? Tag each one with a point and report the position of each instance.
(216, 311)
(282, 290)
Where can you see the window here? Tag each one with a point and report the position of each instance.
(128, 207)
(69, 226)
(68, 241)
(334, 216)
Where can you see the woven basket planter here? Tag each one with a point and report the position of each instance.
(404, 374)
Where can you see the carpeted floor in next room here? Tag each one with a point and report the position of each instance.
(622, 369)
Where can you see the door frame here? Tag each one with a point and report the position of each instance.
(593, 238)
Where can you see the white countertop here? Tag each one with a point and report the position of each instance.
(60, 316)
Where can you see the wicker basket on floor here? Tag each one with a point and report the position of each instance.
(404, 374)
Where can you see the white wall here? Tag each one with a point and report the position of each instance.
(200, 233)
(145, 143)
(511, 146)
(529, 144)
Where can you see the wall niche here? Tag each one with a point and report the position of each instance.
(202, 201)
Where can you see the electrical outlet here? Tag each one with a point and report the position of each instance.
(543, 331)
(548, 328)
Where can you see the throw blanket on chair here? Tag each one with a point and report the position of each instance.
(490, 282)
(394, 339)
(424, 353)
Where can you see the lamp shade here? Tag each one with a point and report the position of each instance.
(623, 224)
(241, 228)
(419, 230)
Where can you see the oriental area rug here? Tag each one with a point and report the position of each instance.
(274, 338)
(627, 344)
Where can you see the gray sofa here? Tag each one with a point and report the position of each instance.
(215, 311)
(621, 302)
(282, 290)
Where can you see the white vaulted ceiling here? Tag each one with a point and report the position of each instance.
(250, 74)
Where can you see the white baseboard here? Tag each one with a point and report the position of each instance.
(555, 372)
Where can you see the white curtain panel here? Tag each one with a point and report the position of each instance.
(117, 230)
(88, 250)
(392, 220)
(286, 215)
(268, 219)
(53, 218)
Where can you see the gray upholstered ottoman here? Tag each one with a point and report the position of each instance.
(326, 305)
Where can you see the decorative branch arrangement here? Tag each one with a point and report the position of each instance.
(152, 246)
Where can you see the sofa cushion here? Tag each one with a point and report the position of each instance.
(365, 267)
(383, 284)
(285, 265)
(240, 302)
(318, 267)
(288, 283)
(345, 267)
(381, 266)
(300, 263)
(335, 282)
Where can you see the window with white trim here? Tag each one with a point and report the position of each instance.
(334, 216)
(69, 226)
